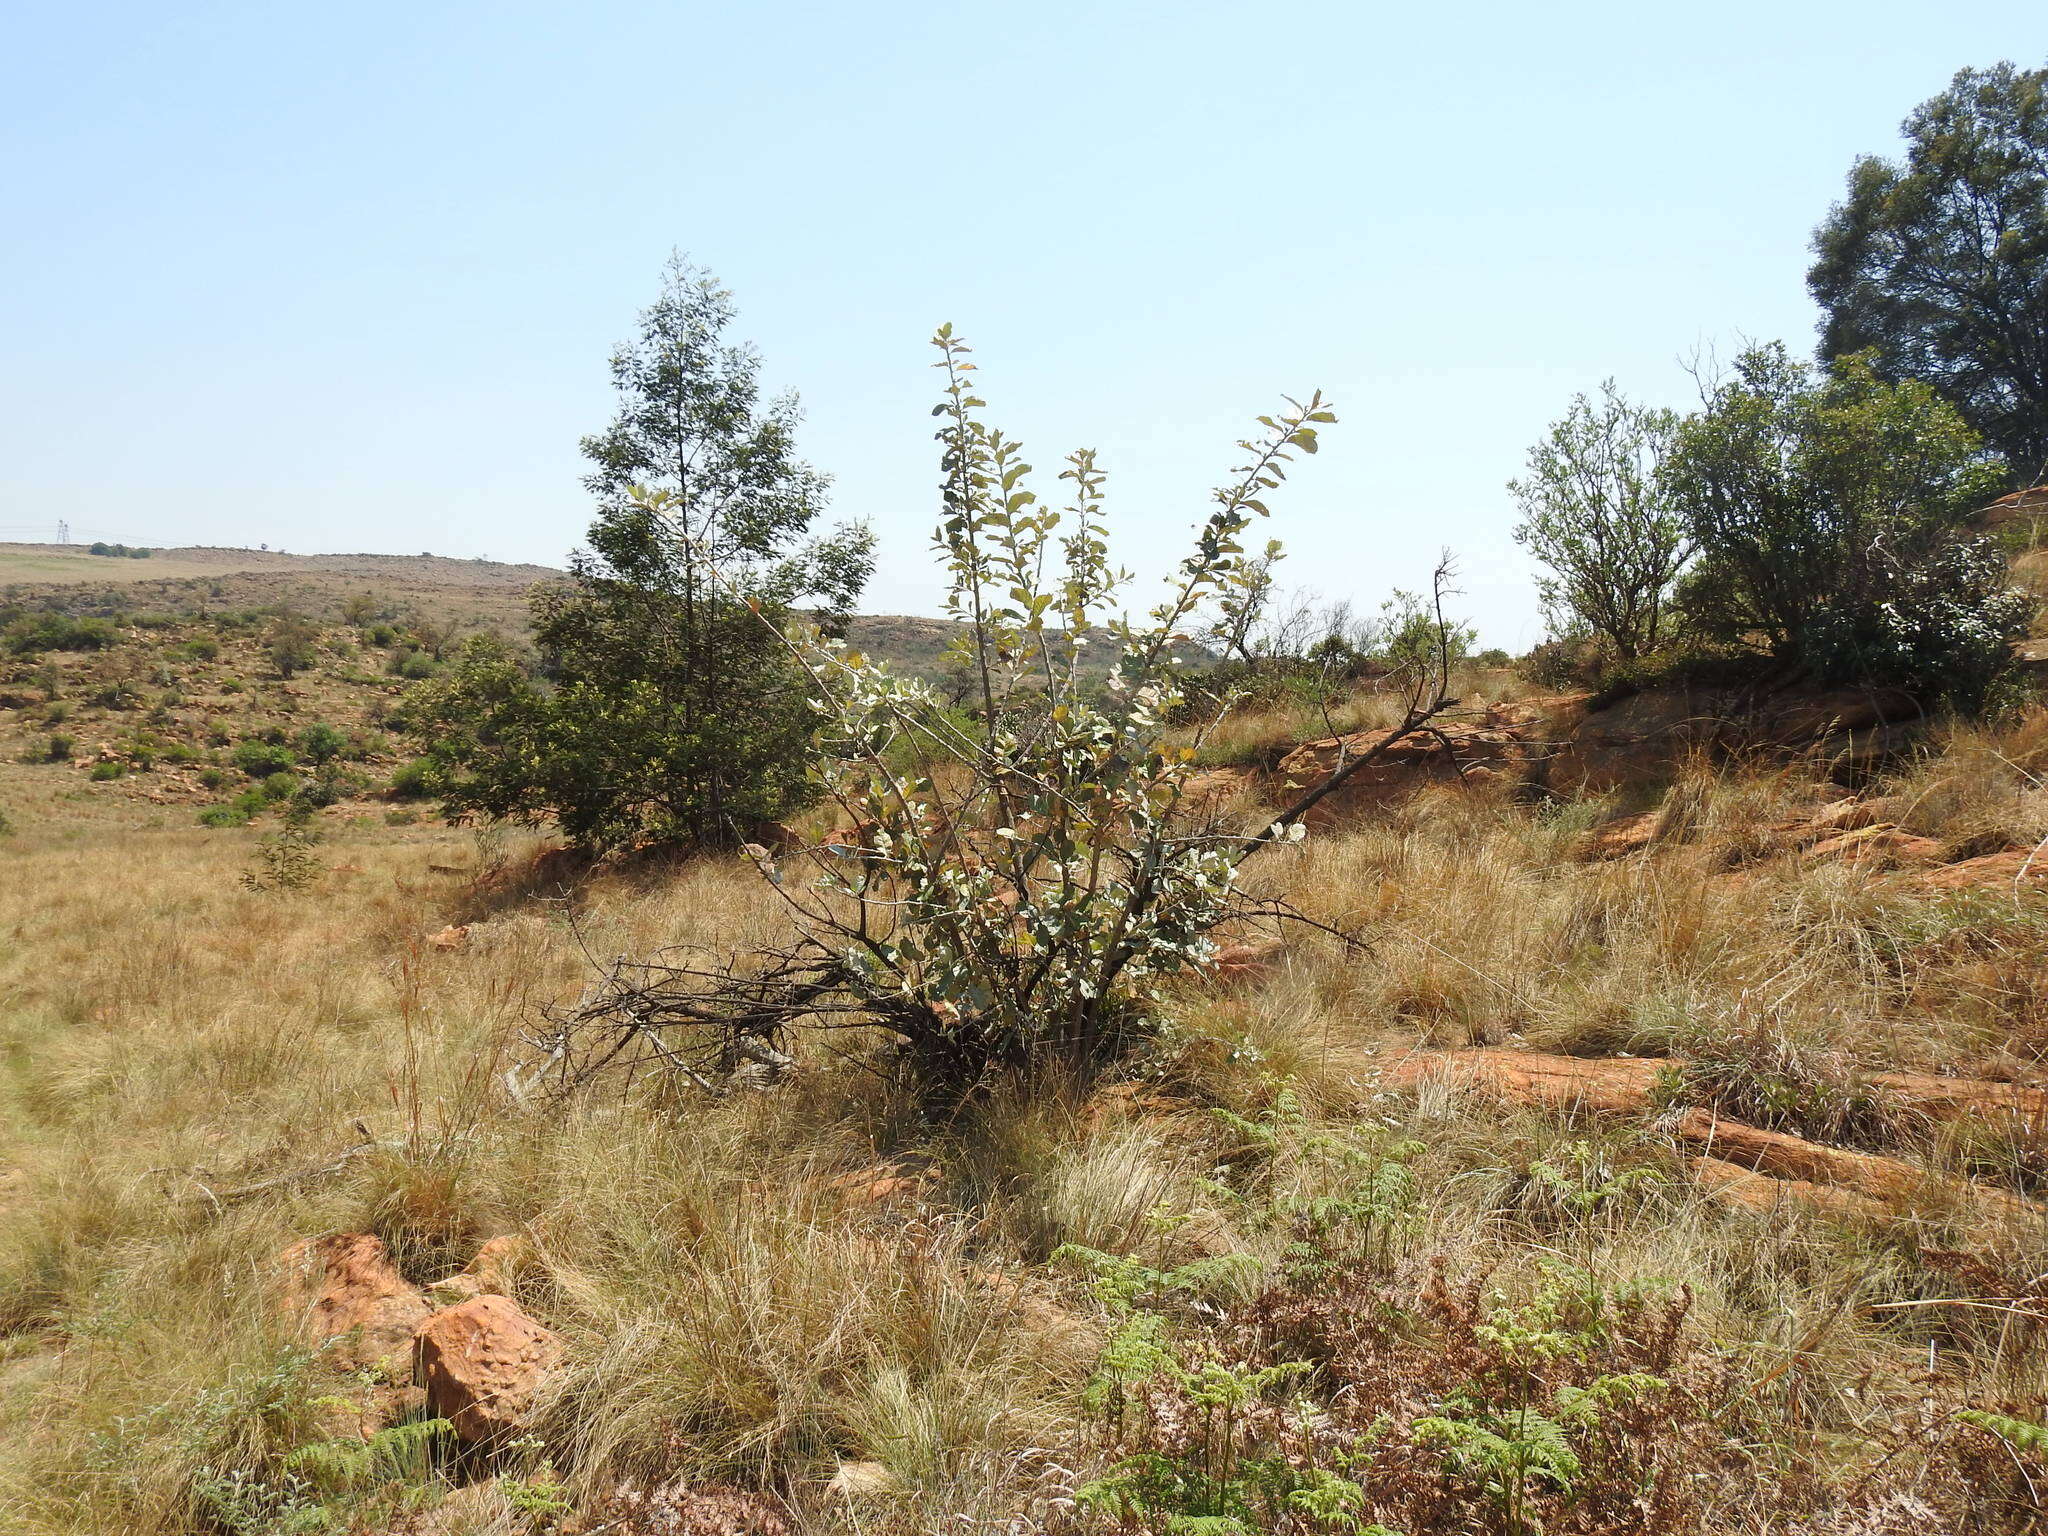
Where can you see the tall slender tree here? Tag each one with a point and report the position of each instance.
(1594, 512)
(667, 707)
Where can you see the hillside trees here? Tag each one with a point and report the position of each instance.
(1829, 514)
(666, 709)
(1594, 512)
(1938, 263)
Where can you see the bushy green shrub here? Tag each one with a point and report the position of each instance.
(1831, 519)
(322, 743)
(413, 780)
(292, 646)
(261, 759)
(101, 772)
(32, 634)
(673, 710)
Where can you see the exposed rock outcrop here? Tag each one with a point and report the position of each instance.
(482, 1362)
(345, 1287)
(1866, 1182)
(1447, 753)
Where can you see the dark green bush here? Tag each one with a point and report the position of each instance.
(322, 743)
(413, 780)
(31, 635)
(101, 772)
(261, 759)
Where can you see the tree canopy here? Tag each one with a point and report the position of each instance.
(1937, 264)
(667, 707)
(1830, 514)
(1594, 512)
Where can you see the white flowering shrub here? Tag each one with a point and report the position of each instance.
(1021, 878)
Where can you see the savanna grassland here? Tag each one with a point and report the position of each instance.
(1268, 1268)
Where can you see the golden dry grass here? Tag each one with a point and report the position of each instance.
(167, 1038)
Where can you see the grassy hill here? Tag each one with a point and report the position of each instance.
(166, 694)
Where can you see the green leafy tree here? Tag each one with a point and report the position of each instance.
(667, 706)
(1938, 263)
(1594, 512)
(1830, 515)
(293, 645)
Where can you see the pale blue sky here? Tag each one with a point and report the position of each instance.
(345, 278)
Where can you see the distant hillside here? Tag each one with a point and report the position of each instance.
(198, 581)
(185, 582)
(158, 680)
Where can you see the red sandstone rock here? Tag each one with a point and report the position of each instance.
(1990, 872)
(1448, 753)
(345, 1284)
(482, 1362)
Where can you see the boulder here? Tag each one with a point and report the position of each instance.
(481, 1362)
(344, 1286)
